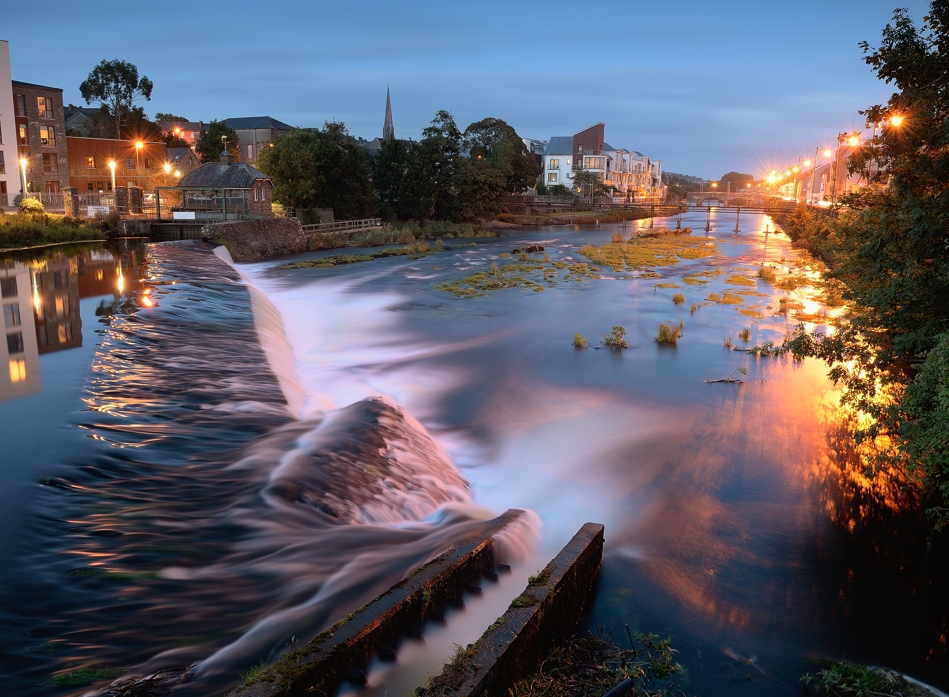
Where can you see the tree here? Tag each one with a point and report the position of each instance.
(165, 117)
(495, 142)
(890, 248)
(212, 142)
(321, 169)
(116, 85)
(737, 180)
(589, 185)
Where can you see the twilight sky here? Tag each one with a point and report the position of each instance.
(704, 87)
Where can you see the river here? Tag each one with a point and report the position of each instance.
(204, 464)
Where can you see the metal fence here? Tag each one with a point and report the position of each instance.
(344, 225)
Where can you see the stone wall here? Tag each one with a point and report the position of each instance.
(252, 240)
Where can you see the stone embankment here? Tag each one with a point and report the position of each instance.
(253, 240)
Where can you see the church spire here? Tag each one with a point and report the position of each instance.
(388, 132)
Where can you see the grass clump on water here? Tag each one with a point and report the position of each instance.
(767, 274)
(639, 253)
(678, 298)
(848, 679)
(669, 333)
(592, 664)
(413, 251)
(532, 275)
(580, 341)
(616, 338)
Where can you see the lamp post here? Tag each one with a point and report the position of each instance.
(853, 140)
(23, 176)
(112, 169)
(138, 147)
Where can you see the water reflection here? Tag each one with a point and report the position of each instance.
(41, 313)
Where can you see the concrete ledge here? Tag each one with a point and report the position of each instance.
(543, 615)
(319, 666)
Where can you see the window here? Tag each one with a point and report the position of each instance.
(1, 136)
(256, 194)
(65, 333)
(552, 177)
(50, 163)
(21, 137)
(17, 370)
(250, 153)
(20, 104)
(149, 163)
(594, 162)
(44, 105)
(52, 187)
(7, 287)
(91, 161)
(554, 164)
(3, 167)
(48, 135)
(11, 316)
(129, 163)
(15, 342)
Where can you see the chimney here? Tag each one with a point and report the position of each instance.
(225, 157)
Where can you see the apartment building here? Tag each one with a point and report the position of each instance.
(10, 185)
(41, 140)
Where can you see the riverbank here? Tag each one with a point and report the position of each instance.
(23, 231)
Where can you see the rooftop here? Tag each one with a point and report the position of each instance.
(559, 145)
(250, 122)
(216, 175)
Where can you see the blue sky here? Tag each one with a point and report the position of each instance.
(704, 87)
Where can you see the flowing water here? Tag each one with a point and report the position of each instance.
(218, 462)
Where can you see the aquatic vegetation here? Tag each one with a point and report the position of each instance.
(767, 274)
(616, 338)
(616, 237)
(731, 378)
(740, 281)
(751, 312)
(694, 280)
(726, 299)
(764, 350)
(694, 308)
(678, 298)
(643, 252)
(729, 342)
(84, 676)
(845, 678)
(668, 285)
(413, 251)
(592, 664)
(792, 282)
(532, 275)
(744, 334)
(580, 341)
(669, 333)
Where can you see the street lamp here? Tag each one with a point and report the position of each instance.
(851, 139)
(23, 163)
(112, 169)
(138, 146)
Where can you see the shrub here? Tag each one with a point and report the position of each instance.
(744, 334)
(678, 298)
(669, 333)
(616, 338)
(580, 341)
(32, 206)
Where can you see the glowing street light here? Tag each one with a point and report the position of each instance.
(112, 168)
(897, 120)
(853, 141)
(23, 163)
(167, 168)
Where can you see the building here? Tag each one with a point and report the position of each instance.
(80, 120)
(41, 140)
(256, 132)
(10, 182)
(19, 353)
(223, 190)
(627, 172)
(182, 161)
(188, 131)
(136, 163)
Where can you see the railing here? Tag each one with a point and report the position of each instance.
(343, 226)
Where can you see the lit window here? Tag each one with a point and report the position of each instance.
(11, 316)
(554, 164)
(250, 153)
(21, 137)
(91, 161)
(47, 135)
(551, 177)
(17, 370)
(44, 105)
